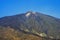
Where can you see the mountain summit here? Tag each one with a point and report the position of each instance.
(34, 23)
(29, 13)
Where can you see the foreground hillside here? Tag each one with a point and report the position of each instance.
(11, 34)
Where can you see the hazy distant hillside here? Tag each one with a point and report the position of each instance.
(37, 25)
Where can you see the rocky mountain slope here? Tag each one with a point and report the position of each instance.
(34, 23)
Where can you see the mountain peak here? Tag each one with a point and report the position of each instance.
(30, 13)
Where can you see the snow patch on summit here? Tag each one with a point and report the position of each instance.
(28, 14)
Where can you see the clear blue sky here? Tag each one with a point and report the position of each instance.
(13, 7)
